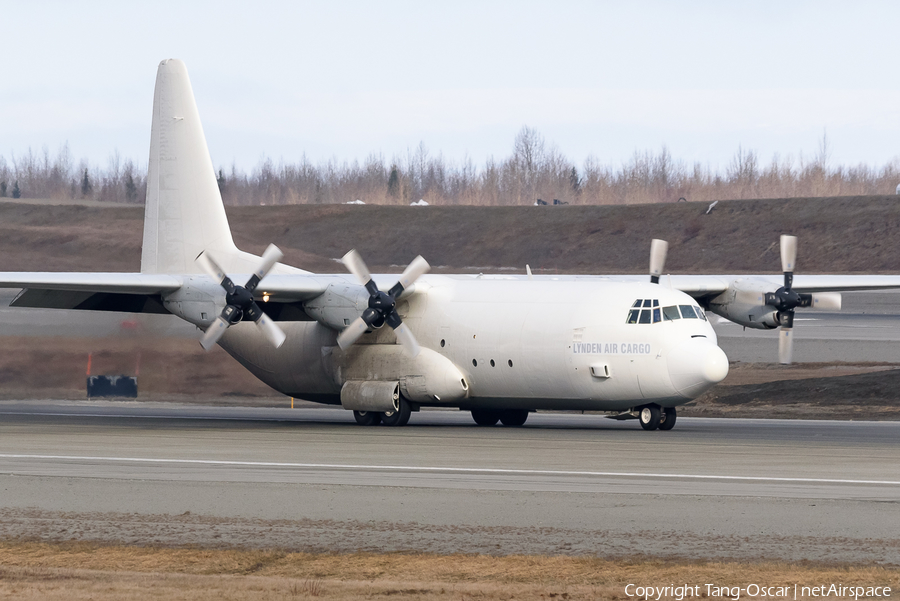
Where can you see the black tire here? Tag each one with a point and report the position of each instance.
(485, 417)
(514, 417)
(649, 416)
(367, 418)
(399, 417)
(668, 419)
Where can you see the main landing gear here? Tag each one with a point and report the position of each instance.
(653, 417)
(508, 417)
(388, 418)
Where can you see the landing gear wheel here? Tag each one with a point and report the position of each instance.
(485, 417)
(367, 418)
(399, 417)
(514, 417)
(649, 417)
(668, 419)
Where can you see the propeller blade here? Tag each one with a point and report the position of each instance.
(412, 272)
(352, 333)
(788, 253)
(658, 250)
(355, 265)
(785, 346)
(826, 301)
(271, 256)
(275, 334)
(211, 268)
(214, 332)
(406, 338)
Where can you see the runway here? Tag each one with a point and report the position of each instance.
(311, 479)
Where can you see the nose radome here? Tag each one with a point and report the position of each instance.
(695, 366)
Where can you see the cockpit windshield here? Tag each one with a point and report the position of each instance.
(647, 310)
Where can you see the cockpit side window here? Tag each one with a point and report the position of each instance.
(701, 313)
(633, 315)
(647, 302)
(687, 312)
(637, 303)
(671, 313)
(656, 318)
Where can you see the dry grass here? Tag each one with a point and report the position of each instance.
(82, 571)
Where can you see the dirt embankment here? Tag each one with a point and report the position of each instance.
(837, 235)
(851, 234)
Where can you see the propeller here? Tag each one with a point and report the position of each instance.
(785, 300)
(239, 300)
(382, 306)
(658, 250)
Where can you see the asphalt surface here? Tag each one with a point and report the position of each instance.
(311, 479)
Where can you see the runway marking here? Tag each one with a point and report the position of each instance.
(456, 470)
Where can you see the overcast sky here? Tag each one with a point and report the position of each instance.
(346, 79)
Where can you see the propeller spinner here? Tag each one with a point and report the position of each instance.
(382, 306)
(239, 300)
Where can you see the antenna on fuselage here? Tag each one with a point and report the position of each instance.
(658, 250)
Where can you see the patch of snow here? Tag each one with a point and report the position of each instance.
(419, 203)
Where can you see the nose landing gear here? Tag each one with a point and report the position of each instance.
(649, 417)
(667, 421)
(653, 417)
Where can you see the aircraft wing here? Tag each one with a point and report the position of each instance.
(700, 286)
(122, 283)
(133, 292)
(287, 288)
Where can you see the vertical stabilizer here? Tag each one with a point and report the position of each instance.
(184, 214)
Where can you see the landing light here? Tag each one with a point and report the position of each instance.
(265, 297)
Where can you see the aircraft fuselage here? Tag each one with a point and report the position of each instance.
(490, 342)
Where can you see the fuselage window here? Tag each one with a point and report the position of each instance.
(671, 313)
(687, 312)
(645, 316)
(633, 316)
(656, 314)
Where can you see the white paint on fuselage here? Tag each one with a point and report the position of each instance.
(518, 342)
(551, 332)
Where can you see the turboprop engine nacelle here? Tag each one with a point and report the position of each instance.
(744, 303)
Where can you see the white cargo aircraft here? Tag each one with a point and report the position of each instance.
(498, 346)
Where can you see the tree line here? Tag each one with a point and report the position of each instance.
(533, 171)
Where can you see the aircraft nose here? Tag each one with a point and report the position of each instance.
(695, 366)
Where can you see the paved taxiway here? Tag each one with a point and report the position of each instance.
(311, 479)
